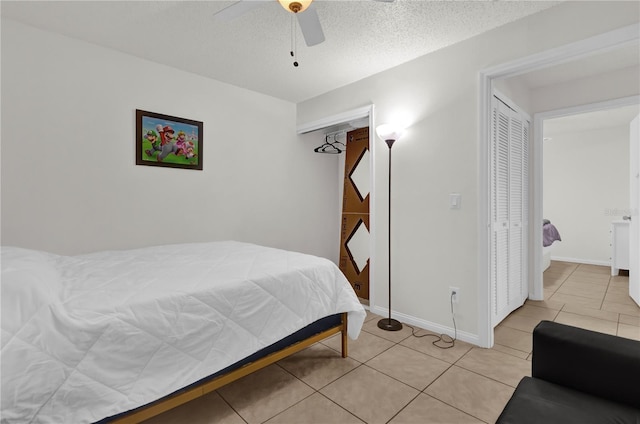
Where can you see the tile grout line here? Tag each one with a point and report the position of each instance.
(509, 347)
(231, 406)
(317, 391)
(602, 304)
(440, 400)
(561, 284)
(604, 297)
(418, 390)
(404, 407)
(562, 309)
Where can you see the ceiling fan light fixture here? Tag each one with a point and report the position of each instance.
(295, 6)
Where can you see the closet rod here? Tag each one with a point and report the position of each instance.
(335, 133)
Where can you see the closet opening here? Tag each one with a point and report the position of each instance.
(347, 139)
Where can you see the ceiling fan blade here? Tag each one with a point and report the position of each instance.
(237, 9)
(310, 26)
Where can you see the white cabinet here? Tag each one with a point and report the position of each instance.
(619, 246)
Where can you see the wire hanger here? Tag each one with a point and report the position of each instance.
(336, 141)
(329, 147)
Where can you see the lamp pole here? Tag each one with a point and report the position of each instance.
(389, 324)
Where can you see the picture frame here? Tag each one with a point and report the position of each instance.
(169, 141)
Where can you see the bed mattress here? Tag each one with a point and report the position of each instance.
(90, 336)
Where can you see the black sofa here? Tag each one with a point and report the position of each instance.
(577, 376)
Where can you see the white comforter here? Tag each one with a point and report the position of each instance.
(87, 337)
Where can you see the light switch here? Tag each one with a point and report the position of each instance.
(455, 199)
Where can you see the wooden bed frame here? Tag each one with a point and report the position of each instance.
(165, 404)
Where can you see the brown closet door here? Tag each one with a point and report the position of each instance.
(354, 239)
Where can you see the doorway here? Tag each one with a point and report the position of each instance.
(627, 103)
(589, 47)
(341, 124)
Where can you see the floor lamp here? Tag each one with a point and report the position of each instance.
(390, 135)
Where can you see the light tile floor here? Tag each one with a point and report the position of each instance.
(393, 377)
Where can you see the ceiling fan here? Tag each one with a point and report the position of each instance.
(303, 9)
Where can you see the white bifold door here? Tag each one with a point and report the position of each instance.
(509, 210)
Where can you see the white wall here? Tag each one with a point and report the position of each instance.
(437, 95)
(582, 91)
(584, 223)
(586, 179)
(516, 91)
(69, 179)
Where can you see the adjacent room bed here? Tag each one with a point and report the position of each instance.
(128, 334)
(550, 235)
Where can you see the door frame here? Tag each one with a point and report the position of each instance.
(597, 44)
(634, 194)
(536, 291)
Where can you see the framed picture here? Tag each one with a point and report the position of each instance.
(163, 140)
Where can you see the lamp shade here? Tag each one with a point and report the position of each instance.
(389, 132)
(295, 6)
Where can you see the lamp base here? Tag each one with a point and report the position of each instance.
(390, 324)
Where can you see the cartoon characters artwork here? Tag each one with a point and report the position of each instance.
(168, 141)
(185, 147)
(152, 137)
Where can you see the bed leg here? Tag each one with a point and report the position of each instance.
(345, 348)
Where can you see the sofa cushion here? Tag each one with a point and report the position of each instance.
(537, 401)
(599, 364)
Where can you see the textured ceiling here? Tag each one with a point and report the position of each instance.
(252, 51)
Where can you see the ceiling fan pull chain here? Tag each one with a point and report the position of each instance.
(293, 41)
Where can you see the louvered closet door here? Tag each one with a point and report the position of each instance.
(509, 206)
(515, 211)
(524, 291)
(500, 210)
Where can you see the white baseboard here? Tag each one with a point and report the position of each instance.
(581, 261)
(428, 325)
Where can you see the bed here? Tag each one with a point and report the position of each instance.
(550, 235)
(124, 335)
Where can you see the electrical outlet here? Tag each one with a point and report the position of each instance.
(454, 294)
